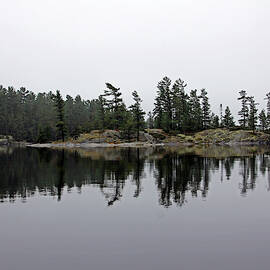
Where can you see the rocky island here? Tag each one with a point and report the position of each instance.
(157, 137)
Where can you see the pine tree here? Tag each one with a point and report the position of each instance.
(214, 123)
(180, 106)
(70, 119)
(101, 112)
(263, 120)
(138, 113)
(128, 127)
(253, 117)
(205, 109)
(114, 104)
(23, 121)
(59, 104)
(158, 112)
(244, 110)
(195, 111)
(3, 111)
(95, 111)
(166, 101)
(81, 114)
(150, 120)
(45, 117)
(228, 121)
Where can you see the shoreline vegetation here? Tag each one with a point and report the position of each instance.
(179, 116)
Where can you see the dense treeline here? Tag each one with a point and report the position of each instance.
(46, 117)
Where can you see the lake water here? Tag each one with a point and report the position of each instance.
(173, 208)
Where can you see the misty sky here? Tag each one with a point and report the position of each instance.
(76, 46)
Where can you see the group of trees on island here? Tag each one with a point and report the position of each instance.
(47, 116)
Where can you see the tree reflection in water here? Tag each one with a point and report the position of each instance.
(25, 172)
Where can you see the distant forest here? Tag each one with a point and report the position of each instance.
(45, 117)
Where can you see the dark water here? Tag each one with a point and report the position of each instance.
(194, 208)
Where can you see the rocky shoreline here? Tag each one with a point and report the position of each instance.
(93, 145)
(151, 138)
(157, 138)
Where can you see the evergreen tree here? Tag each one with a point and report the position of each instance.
(81, 114)
(214, 123)
(228, 121)
(101, 112)
(70, 119)
(150, 120)
(244, 110)
(3, 111)
(180, 106)
(45, 134)
(253, 117)
(263, 120)
(59, 104)
(158, 112)
(45, 117)
(138, 113)
(166, 99)
(205, 109)
(23, 100)
(195, 111)
(95, 110)
(114, 104)
(128, 127)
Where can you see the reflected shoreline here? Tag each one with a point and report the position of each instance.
(176, 172)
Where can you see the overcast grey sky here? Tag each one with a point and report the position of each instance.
(76, 46)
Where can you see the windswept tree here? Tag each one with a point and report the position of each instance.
(228, 121)
(137, 113)
(205, 109)
(263, 120)
(253, 114)
(59, 104)
(115, 105)
(244, 112)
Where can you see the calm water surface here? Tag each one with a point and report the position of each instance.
(193, 208)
